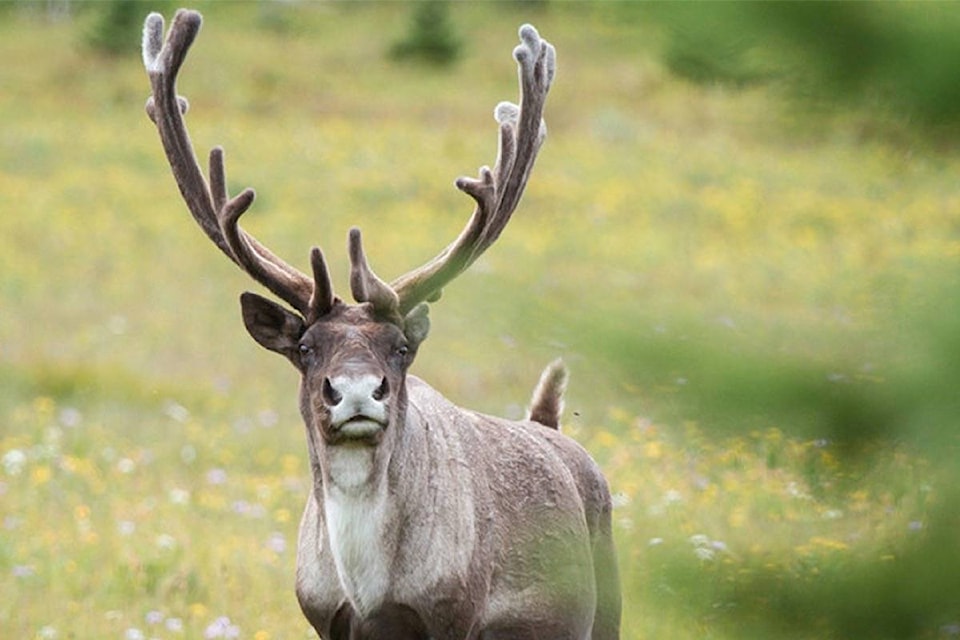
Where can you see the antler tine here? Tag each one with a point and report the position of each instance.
(496, 192)
(364, 283)
(323, 298)
(214, 211)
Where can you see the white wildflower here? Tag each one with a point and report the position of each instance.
(14, 461)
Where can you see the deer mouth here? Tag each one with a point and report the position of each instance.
(358, 428)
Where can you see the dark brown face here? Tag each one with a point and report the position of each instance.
(353, 371)
(353, 364)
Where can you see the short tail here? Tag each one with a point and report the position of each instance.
(547, 402)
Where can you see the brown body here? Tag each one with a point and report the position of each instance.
(425, 520)
(499, 543)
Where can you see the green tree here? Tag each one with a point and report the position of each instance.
(431, 36)
(116, 30)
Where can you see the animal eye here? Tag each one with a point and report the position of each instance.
(305, 349)
(402, 350)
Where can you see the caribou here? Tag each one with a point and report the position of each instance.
(424, 520)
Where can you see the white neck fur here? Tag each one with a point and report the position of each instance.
(356, 509)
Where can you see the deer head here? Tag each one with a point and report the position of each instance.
(353, 358)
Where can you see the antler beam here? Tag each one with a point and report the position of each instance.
(217, 214)
(496, 192)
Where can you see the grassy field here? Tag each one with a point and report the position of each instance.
(759, 308)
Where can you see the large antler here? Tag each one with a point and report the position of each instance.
(212, 208)
(496, 192)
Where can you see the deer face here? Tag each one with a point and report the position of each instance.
(353, 364)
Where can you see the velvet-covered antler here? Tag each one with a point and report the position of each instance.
(496, 192)
(216, 213)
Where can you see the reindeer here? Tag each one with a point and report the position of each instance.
(424, 520)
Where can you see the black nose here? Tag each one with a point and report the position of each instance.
(330, 395)
(382, 391)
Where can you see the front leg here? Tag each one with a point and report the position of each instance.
(528, 631)
(390, 622)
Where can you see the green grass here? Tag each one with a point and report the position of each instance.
(756, 308)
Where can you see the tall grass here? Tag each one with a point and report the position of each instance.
(756, 309)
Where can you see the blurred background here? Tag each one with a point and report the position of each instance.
(742, 235)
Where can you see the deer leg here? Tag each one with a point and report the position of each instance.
(343, 621)
(389, 622)
(392, 622)
(539, 631)
(606, 621)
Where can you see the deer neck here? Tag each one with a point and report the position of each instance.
(352, 472)
(357, 513)
(363, 503)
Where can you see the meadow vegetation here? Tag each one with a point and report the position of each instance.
(759, 306)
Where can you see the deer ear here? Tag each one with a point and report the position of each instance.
(416, 325)
(272, 326)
